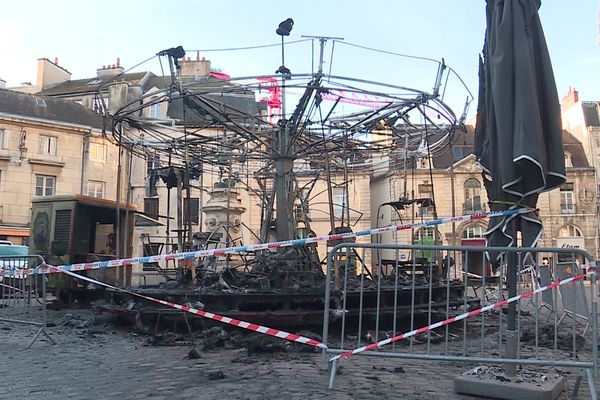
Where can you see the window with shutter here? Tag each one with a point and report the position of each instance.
(191, 207)
(151, 207)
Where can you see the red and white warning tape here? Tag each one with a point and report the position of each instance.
(226, 320)
(276, 245)
(460, 317)
(18, 273)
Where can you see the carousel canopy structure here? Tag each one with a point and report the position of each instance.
(283, 127)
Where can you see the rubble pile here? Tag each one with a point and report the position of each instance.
(546, 337)
(216, 338)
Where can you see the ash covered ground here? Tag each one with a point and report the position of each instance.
(96, 358)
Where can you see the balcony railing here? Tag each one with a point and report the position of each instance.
(568, 208)
(469, 208)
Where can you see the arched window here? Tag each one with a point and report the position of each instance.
(569, 231)
(473, 231)
(472, 188)
(570, 236)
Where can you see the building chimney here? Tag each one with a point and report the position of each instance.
(50, 73)
(570, 99)
(197, 68)
(110, 70)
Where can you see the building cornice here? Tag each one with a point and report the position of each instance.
(19, 119)
(52, 163)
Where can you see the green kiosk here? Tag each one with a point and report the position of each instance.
(74, 229)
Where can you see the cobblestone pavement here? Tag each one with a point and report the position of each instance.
(102, 361)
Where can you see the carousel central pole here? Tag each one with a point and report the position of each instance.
(283, 169)
(283, 152)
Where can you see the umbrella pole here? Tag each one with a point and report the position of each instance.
(511, 322)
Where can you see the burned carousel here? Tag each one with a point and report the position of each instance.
(272, 146)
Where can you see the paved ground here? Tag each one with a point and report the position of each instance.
(95, 359)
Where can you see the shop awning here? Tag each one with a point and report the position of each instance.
(142, 221)
(9, 231)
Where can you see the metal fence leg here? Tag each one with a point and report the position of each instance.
(511, 352)
(576, 386)
(37, 334)
(332, 370)
(590, 378)
(44, 317)
(594, 330)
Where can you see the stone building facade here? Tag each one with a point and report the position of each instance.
(48, 147)
(455, 184)
(582, 119)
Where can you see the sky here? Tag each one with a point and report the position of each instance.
(85, 35)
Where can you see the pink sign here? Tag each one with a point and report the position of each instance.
(359, 99)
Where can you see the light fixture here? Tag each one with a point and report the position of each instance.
(285, 27)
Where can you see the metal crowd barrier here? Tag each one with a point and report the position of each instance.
(554, 328)
(23, 293)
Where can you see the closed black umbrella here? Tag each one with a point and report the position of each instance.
(518, 138)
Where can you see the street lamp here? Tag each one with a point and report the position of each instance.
(283, 30)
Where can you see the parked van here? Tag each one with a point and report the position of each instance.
(13, 256)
